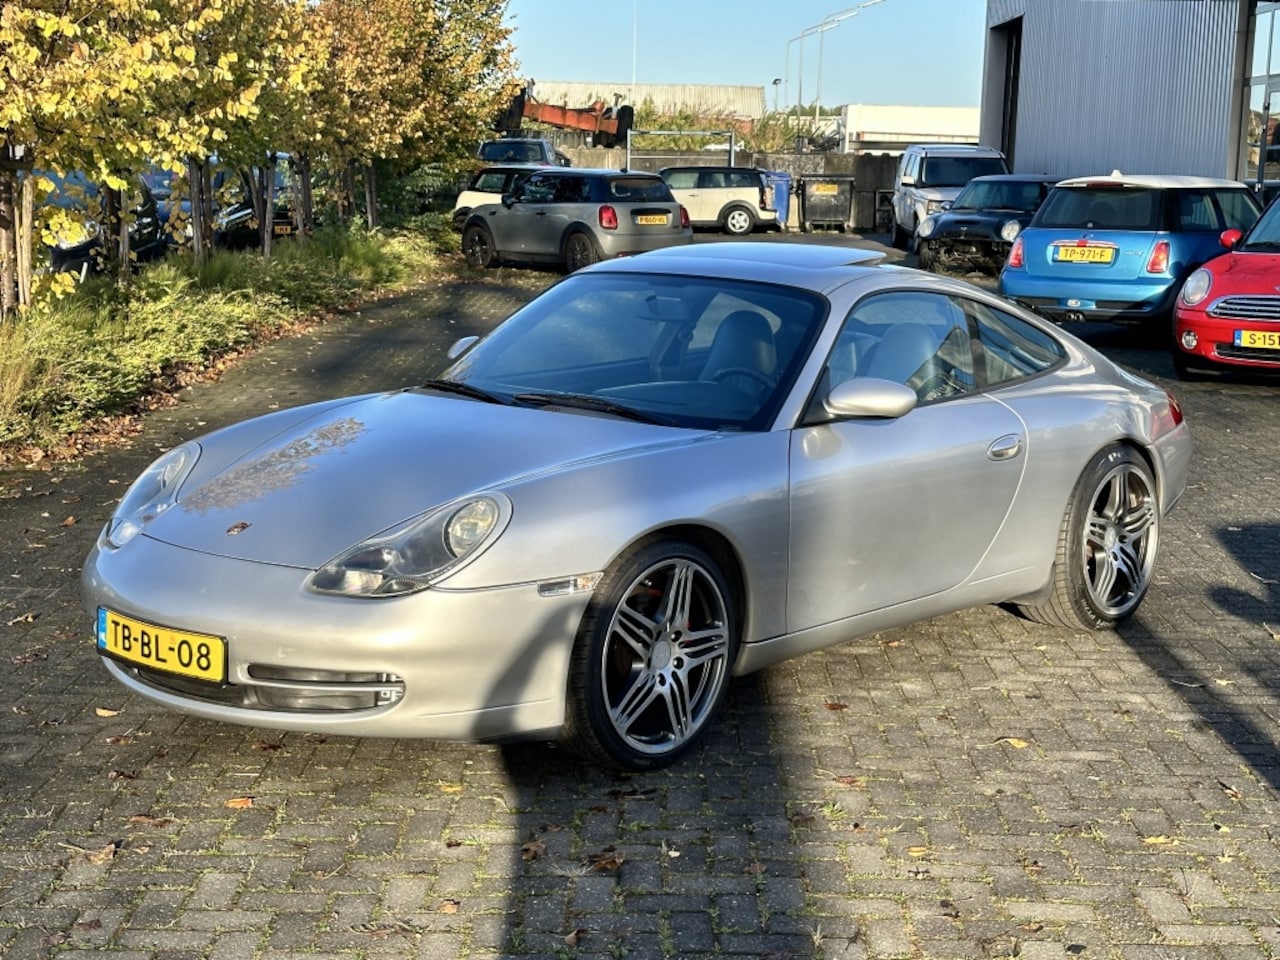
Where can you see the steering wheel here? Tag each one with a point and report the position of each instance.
(749, 372)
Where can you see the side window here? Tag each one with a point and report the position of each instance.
(570, 190)
(490, 182)
(538, 189)
(917, 339)
(1011, 347)
(682, 179)
(714, 179)
(1238, 209)
(1195, 211)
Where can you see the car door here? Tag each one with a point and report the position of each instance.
(516, 227)
(884, 511)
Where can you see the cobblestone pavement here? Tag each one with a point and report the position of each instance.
(973, 786)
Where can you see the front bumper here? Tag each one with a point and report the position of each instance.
(441, 664)
(1216, 340)
(968, 248)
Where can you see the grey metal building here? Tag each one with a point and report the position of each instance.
(1077, 87)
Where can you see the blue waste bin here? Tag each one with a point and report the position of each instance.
(780, 181)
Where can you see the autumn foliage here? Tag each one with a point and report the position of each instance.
(108, 87)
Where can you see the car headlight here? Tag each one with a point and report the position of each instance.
(926, 228)
(933, 206)
(73, 235)
(154, 492)
(1197, 287)
(410, 557)
(1009, 231)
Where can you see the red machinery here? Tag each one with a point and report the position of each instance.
(609, 125)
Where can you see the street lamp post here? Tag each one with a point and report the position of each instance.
(831, 20)
(806, 32)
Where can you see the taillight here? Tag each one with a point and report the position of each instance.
(1159, 262)
(764, 198)
(608, 218)
(1015, 254)
(1175, 408)
(684, 216)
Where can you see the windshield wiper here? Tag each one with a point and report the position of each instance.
(463, 390)
(585, 401)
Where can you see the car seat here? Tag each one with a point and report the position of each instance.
(903, 354)
(742, 353)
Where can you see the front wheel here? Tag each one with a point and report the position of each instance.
(653, 657)
(1106, 546)
(477, 246)
(738, 221)
(926, 257)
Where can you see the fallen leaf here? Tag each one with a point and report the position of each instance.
(1230, 791)
(24, 618)
(1016, 742)
(831, 705)
(106, 712)
(453, 843)
(801, 819)
(117, 741)
(121, 775)
(69, 522)
(240, 803)
(102, 856)
(150, 821)
(608, 860)
(550, 827)
(449, 906)
(573, 938)
(267, 745)
(918, 851)
(1159, 841)
(533, 850)
(848, 780)
(450, 788)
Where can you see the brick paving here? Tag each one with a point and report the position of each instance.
(972, 786)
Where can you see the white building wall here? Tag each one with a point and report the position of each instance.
(872, 128)
(1143, 86)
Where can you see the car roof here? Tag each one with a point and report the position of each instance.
(1017, 178)
(1152, 181)
(954, 149)
(514, 167)
(709, 166)
(594, 172)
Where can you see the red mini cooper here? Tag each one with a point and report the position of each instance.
(1228, 313)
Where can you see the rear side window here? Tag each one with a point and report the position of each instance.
(1196, 211)
(639, 189)
(489, 181)
(1101, 208)
(1011, 347)
(1239, 208)
(743, 178)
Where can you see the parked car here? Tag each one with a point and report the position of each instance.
(1227, 315)
(235, 224)
(736, 200)
(977, 229)
(1117, 248)
(522, 150)
(487, 185)
(77, 240)
(930, 174)
(575, 217)
(663, 472)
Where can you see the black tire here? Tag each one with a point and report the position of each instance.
(926, 257)
(1184, 368)
(477, 246)
(737, 221)
(1107, 544)
(579, 251)
(653, 657)
(900, 236)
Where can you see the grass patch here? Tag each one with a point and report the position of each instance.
(67, 362)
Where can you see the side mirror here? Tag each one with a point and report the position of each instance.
(870, 397)
(1229, 238)
(908, 181)
(461, 346)
(946, 204)
(508, 200)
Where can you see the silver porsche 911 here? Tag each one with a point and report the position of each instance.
(663, 472)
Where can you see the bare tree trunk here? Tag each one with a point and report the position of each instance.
(26, 211)
(115, 234)
(8, 242)
(303, 201)
(198, 183)
(267, 213)
(371, 196)
(347, 202)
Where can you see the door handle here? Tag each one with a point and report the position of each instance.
(1006, 448)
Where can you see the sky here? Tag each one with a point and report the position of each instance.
(899, 52)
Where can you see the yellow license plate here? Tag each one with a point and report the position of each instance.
(196, 655)
(652, 219)
(1259, 339)
(826, 188)
(1064, 254)
(284, 228)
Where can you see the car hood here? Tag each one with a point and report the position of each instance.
(1243, 272)
(352, 470)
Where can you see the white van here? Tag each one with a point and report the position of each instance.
(931, 174)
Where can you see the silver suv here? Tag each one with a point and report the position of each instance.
(575, 217)
(736, 200)
(931, 174)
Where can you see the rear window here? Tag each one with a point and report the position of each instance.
(512, 152)
(1101, 208)
(957, 171)
(641, 189)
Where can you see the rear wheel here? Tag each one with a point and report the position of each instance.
(738, 221)
(477, 246)
(653, 657)
(579, 251)
(1106, 546)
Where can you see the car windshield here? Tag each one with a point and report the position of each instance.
(1101, 208)
(957, 171)
(696, 352)
(1266, 232)
(511, 152)
(1022, 196)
